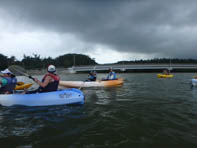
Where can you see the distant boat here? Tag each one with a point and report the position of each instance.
(194, 81)
(164, 75)
(168, 75)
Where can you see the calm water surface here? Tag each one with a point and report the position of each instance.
(144, 112)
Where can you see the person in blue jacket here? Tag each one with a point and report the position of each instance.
(92, 76)
(111, 75)
(7, 82)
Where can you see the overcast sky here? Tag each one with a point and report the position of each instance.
(107, 30)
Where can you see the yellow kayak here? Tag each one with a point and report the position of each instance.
(164, 76)
(23, 86)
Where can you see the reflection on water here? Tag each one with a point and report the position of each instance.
(144, 112)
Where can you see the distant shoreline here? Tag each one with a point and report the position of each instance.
(136, 68)
(143, 71)
(127, 68)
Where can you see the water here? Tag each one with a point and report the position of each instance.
(144, 112)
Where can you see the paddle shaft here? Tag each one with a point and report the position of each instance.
(20, 70)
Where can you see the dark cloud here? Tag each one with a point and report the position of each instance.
(162, 27)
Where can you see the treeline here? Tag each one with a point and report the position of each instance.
(68, 60)
(36, 62)
(161, 61)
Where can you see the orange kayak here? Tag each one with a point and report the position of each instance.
(98, 83)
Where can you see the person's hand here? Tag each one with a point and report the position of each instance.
(25, 91)
(7, 92)
(36, 80)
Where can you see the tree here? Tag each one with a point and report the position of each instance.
(3, 61)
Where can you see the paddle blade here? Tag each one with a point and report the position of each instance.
(18, 70)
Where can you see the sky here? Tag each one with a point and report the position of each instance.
(106, 30)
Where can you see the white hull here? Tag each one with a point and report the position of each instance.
(79, 84)
(194, 82)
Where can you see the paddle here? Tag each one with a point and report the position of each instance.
(18, 70)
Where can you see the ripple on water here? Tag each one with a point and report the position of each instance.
(144, 112)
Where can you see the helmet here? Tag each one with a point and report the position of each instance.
(51, 68)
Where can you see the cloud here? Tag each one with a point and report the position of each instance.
(136, 27)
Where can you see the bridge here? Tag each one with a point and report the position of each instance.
(135, 68)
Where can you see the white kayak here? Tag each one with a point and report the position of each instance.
(78, 84)
(60, 97)
(194, 82)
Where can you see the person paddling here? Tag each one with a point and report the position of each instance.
(166, 72)
(92, 76)
(8, 82)
(49, 82)
(111, 75)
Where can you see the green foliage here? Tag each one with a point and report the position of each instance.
(161, 61)
(3, 61)
(36, 62)
(69, 60)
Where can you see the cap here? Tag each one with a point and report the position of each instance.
(6, 71)
(51, 68)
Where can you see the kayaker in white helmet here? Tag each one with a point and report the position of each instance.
(49, 82)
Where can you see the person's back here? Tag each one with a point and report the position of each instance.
(50, 81)
(165, 72)
(8, 82)
(111, 75)
(92, 76)
(52, 85)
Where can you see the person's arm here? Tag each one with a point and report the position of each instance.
(45, 83)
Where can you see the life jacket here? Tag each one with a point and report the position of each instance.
(52, 86)
(9, 87)
(92, 78)
(111, 76)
